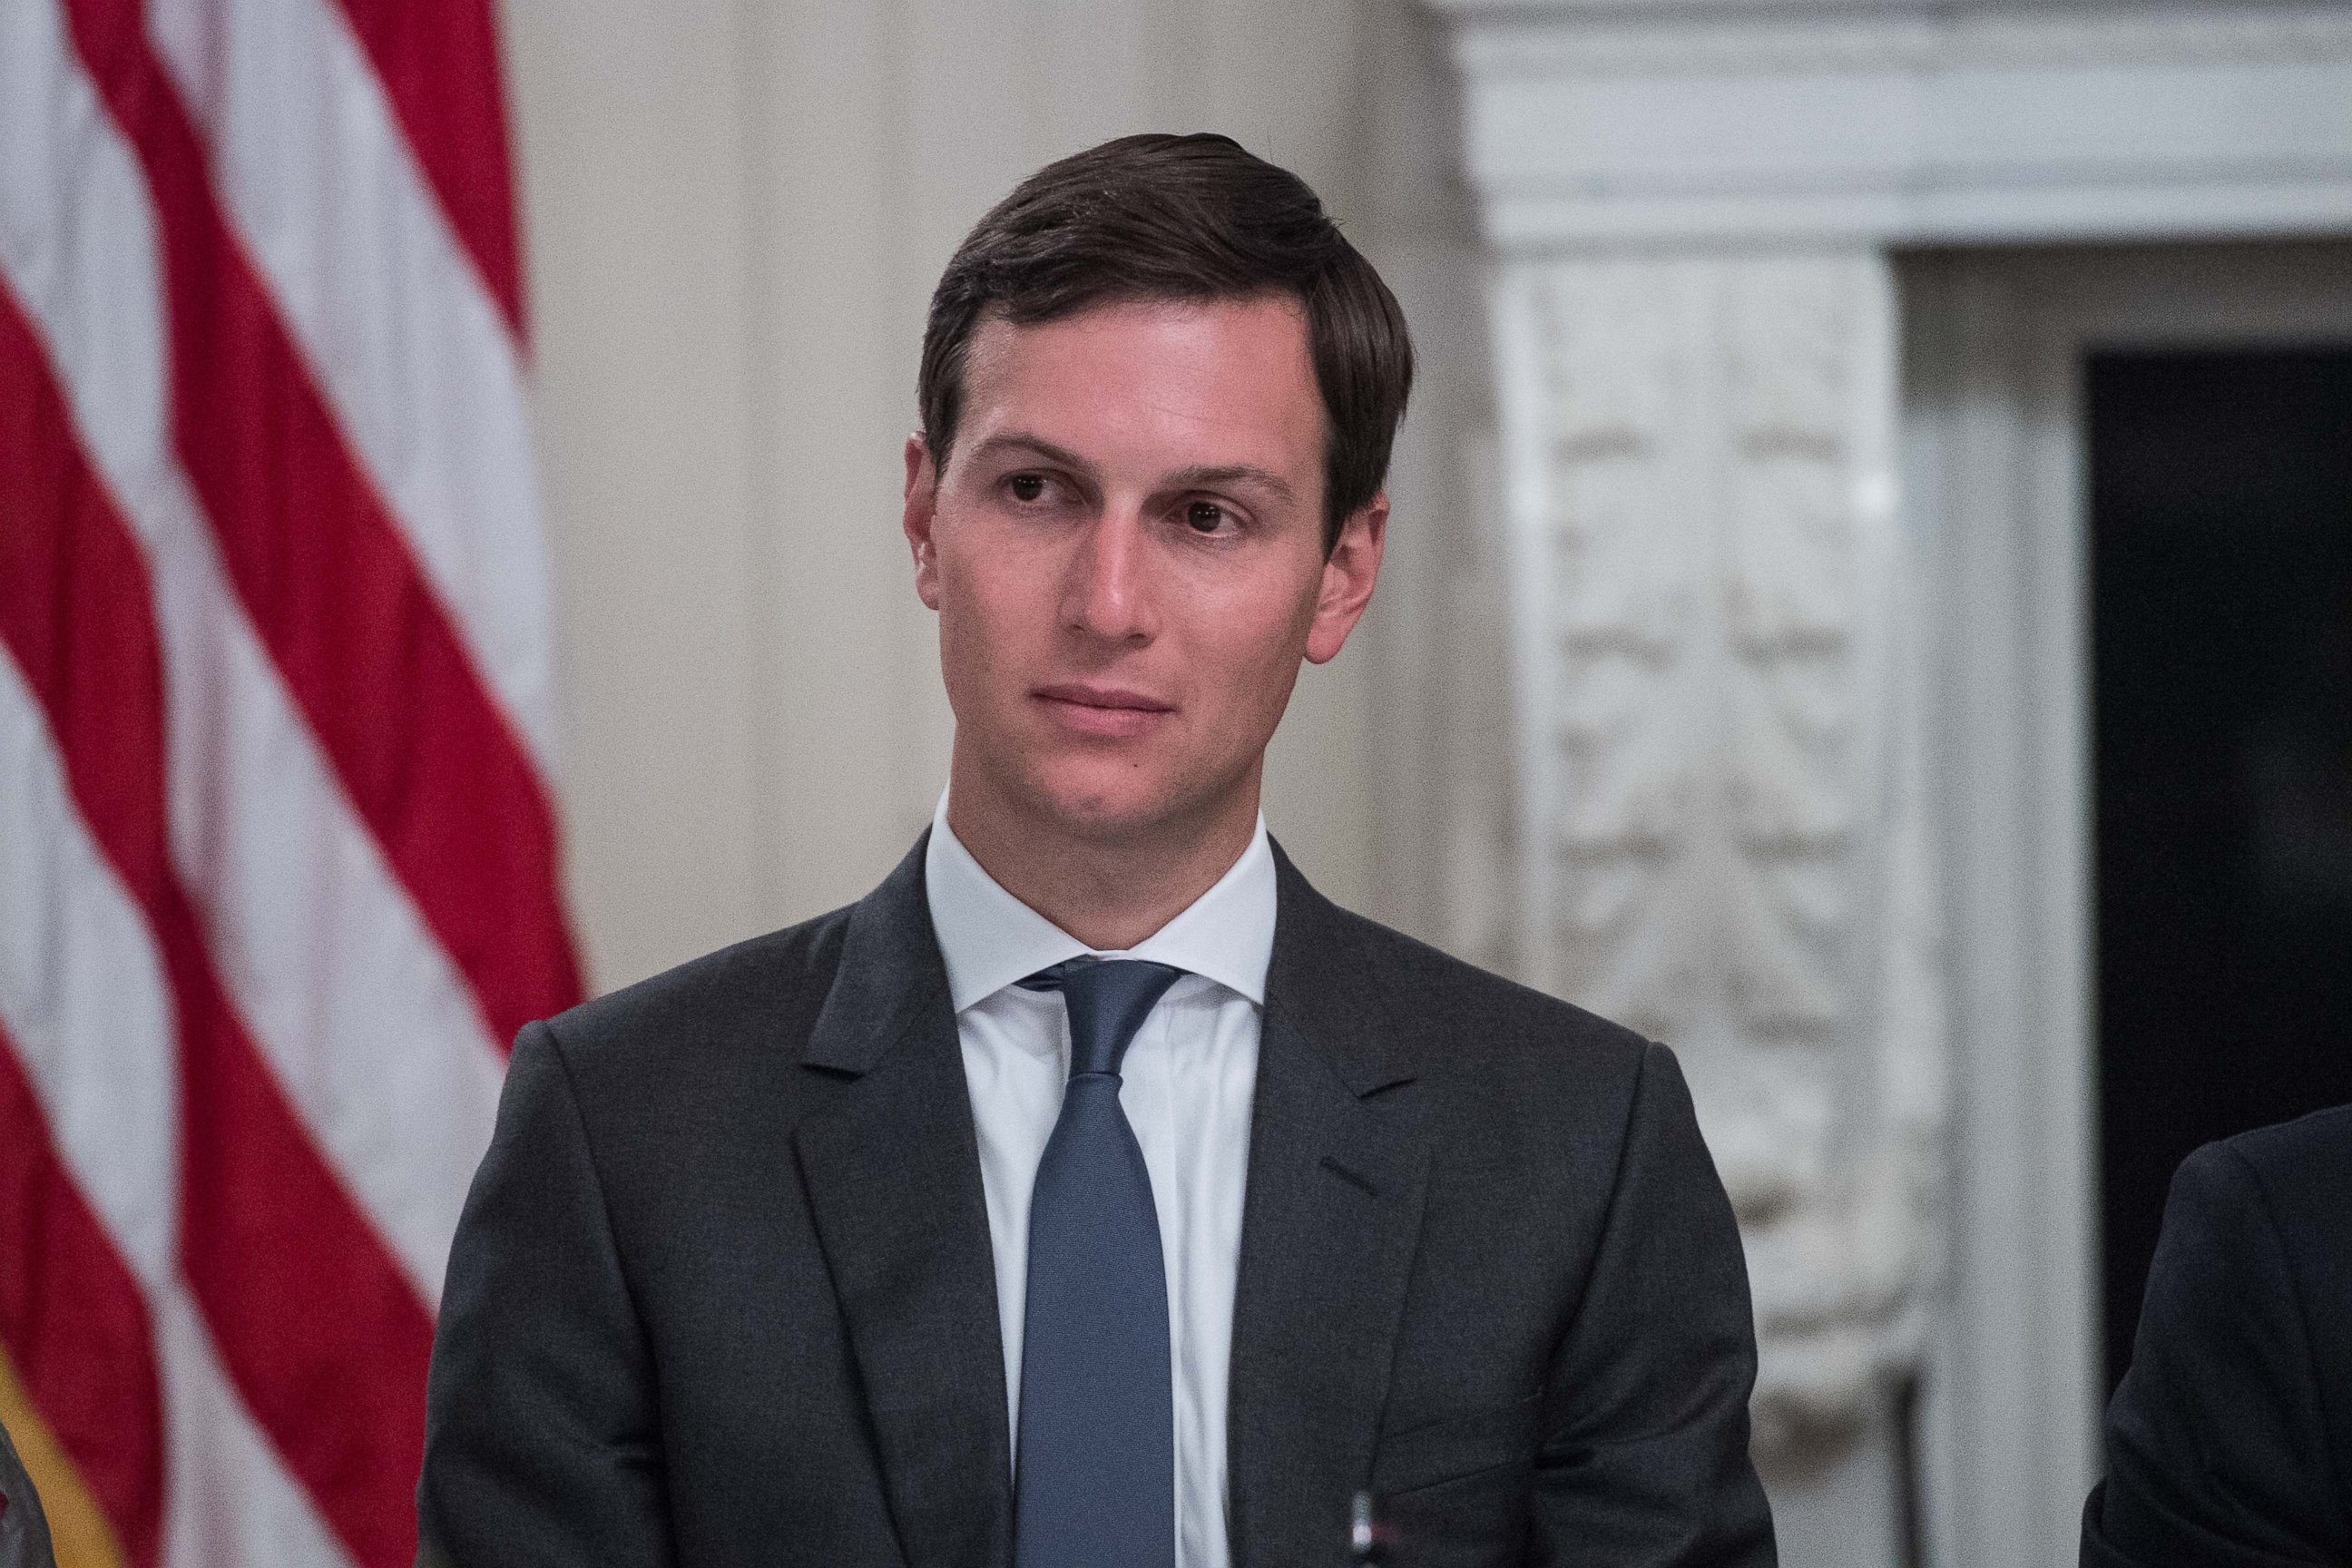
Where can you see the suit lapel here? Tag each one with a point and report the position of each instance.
(1337, 1165)
(893, 1178)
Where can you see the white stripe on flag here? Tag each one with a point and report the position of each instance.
(405, 341)
(363, 1017)
(83, 995)
(228, 1499)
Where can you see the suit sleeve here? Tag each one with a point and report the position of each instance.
(1650, 1465)
(24, 1528)
(541, 1434)
(2216, 1446)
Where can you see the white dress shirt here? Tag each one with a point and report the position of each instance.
(1186, 1086)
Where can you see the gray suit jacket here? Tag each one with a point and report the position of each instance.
(24, 1532)
(722, 1293)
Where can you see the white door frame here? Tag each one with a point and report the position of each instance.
(1996, 479)
(1673, 131)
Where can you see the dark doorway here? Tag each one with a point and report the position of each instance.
(2222, 613)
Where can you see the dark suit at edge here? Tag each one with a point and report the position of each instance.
(2230, 1439)
(722, 1292)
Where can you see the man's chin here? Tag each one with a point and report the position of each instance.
(1107, 821)
(1120, 809)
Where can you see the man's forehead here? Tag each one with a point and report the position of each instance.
(1270, 328)
(1228, 369)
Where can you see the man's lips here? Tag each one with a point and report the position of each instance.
(1107, 710)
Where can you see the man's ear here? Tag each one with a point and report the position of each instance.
(1348, 574)
(921, 511)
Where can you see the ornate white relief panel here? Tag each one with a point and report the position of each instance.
(1718, 733)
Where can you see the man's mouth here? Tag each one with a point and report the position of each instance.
(1106, 711)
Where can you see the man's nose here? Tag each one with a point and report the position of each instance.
(1109, 593)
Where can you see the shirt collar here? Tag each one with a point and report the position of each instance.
(991, 939)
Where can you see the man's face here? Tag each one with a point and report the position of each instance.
(1125, 554)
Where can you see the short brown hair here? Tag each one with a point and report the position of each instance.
(1182, 217)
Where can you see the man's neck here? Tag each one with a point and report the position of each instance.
(1109, 893)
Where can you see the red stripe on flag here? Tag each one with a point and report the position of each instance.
(317, 1328)
(76, 1325)
(315, 1325)
(368, 650)
(438, 61)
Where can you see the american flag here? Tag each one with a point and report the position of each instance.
(278, 854)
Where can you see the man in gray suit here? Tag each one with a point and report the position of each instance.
(1094, 1194)
(24, 1532)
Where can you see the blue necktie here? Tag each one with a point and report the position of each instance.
(1096, 1483)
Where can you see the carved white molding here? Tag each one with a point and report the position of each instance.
(1691, 207)
(1725, 844)
(1903, 125)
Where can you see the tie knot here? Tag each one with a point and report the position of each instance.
(1108, 999)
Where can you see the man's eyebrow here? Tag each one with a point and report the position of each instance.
(1020, 441)
(1230, 474)
(1200, 476)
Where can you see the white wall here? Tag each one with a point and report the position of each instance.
(735, 212)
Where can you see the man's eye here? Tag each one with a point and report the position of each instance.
(1028, 487)
(1204, 516)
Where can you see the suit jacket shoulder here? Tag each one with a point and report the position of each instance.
(2304, 1172)
(768, 983)
(1527, 1097)
(2303, 1169)
(1451, 1017)
(699, 1058)
(2229, 1439)
(1458, 992)
(1574, 1326)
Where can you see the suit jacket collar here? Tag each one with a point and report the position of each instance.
(890, 976)
(1338, 1170)
(1337, 1167)
(891, 1166)
(1326, 987)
